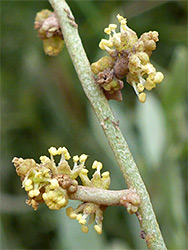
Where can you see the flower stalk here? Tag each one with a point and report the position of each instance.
(104, 197)
(149, 226)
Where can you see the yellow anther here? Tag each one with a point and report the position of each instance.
(53, 151)
(82, 221)
(96, 165)
(79, 217)
(105, 43)
(75, 158)
(143, 56)
(112, 26)
(62, 202)
(149, 68)
(98, 229)
(106, 175)
(34, 192)
(69, 210)
(84, 229)
(28, 182)
(73, 216)
(54, 184)
(158, 77)
(107, 31)
(142, 97)
(83, 158)
(44, 159)
(28, 188)
(44, 196)
(67, 156)
(84, 171)
(149, 85)
(60, 151)
(119, 17)
(64, 150)
(140, 87)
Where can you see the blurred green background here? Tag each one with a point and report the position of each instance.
(43, 104)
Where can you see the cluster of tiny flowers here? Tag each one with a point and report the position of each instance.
(49, 31)
(48, 182)
(52, 184)
(89, 210)
(129, 56)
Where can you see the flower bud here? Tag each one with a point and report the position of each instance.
(101, 64)
(53, 45)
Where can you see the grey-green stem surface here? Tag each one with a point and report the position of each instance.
(99, 196)
(146, 216)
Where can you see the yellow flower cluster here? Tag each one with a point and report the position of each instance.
(52, 184)
(48, 182)
(49, 31)
(88, 209)
(128, 57)
(85, 210)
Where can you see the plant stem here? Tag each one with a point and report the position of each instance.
(101, 196)
(145, 214)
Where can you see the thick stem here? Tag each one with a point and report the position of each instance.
(101, 196)
(146, 215)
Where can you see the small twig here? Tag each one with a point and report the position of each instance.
(105, 197)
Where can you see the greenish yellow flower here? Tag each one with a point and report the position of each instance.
(87, 210)
(47, 24)
(50, 182)
(90, 211)
(97, 180)
(53, 45)
(103, 63)
(130, 58)
(56, 199)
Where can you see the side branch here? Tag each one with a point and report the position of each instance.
(146, 215)
(105, 197)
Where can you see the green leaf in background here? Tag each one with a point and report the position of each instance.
(173, 91)
(151, 125)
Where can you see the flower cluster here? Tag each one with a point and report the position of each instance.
(87, 209)
(46, 182)
(53, 184)
(49, 31)
(129, 56)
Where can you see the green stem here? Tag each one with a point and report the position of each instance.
(145, 214)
